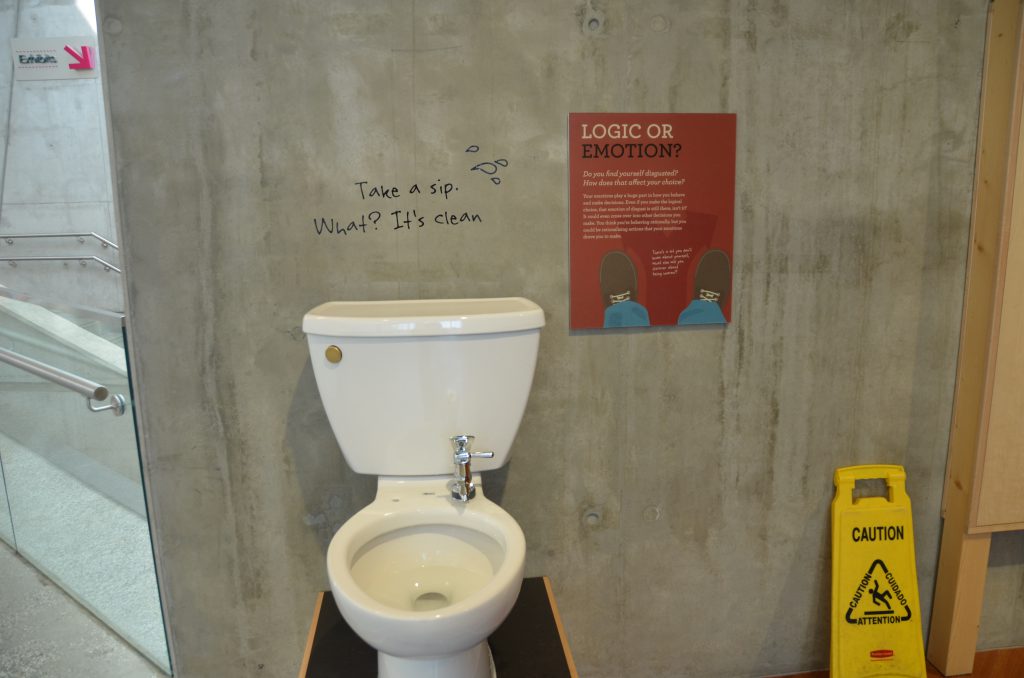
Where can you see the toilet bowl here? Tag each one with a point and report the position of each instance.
(425, 580)
(413, 390)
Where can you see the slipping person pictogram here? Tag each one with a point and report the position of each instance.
(881, 597)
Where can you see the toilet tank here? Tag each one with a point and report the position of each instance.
(412, 374)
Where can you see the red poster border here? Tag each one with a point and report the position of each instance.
(651, 200)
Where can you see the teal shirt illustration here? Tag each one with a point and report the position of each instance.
(702, 312)
(626, 314)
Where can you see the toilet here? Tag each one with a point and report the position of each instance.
(425, 394)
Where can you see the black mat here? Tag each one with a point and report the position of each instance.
(526, 645)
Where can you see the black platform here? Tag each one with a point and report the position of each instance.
(530, 642)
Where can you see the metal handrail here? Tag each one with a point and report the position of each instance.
(81, 237)
(107, 266)
(90, 389)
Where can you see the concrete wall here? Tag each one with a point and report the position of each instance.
(702, 458)
(56, 175)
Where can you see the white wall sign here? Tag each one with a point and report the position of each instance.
(55, 58)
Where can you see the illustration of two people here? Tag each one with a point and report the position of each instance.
(619, 291)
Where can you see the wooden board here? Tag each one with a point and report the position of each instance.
(963, 558)
(998, 500)
(986, 261)
(561, 629)
(304, 667)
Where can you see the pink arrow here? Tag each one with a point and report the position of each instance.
(84, 60)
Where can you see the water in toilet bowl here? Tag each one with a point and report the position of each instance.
(426, 567)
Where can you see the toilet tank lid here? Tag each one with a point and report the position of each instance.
(423, 317)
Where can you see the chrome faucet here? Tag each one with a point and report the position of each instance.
(462, 486)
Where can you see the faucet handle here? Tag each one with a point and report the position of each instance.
(461, 445)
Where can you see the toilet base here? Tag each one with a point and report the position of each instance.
(476, 662)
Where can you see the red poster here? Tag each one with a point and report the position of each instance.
(651, 218)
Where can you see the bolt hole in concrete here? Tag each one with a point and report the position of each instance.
(592, 517)
(430, 601)
(594, 24)
(652, 514)
(113, 25)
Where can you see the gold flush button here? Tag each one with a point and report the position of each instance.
(333, 354)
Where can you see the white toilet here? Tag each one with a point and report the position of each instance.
(428, 571)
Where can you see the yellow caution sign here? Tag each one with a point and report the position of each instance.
(876, 617)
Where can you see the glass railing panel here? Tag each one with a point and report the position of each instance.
(72, 477)
(6, 527)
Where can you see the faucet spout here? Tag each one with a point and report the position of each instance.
(462, 487)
